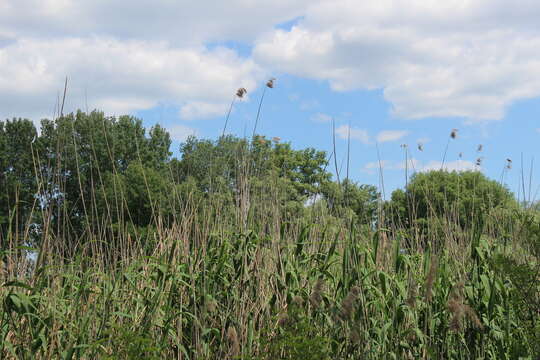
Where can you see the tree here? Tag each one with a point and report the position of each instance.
(17, 178)
(360, 199)
(460, 198)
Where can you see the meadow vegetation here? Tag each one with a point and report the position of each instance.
(249, 249)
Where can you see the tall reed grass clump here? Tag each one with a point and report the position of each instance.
(161, 262)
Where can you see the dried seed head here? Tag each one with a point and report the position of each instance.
(355, 336)
(430, 279)
(473, 317)
(347, 306)
(276, 139)
(411, 294)
(297, 300)
(456, 307)
(316, 296)
(480, 148)
(508, 164)
(453, 134)
(270, 83)
(420, 146)
(241, 92)
(479, 161)
(283, 319)
(234, 344)
(460, 155)
(211, 305)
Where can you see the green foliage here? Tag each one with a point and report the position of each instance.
(247, 249)
(360, 199)
(17, 181)
(439, 198)
(296, 339)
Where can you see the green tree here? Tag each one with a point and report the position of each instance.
(17, 178)
(459, 198)
(359, 198)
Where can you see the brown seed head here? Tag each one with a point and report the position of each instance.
(234, 344)
(508, 164)
(411, 295)
(241, 92)
(453, 133)
(480, 148)
(479, 161)
(270, 83)
(297, 300)
(283, 319)
(347, 306)
(473, 317)
(430, 279)
(316, 295)
(420, 146)
(211, 305)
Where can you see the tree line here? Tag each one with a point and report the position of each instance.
(85, 174)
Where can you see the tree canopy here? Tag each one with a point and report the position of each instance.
(90, 173)
(461, 198)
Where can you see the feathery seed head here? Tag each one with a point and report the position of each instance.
(241, 92)
(316, 296)
(479, 161)
(234, 344)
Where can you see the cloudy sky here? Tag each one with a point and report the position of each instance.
(392, 74)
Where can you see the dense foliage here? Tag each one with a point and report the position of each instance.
(247, 249)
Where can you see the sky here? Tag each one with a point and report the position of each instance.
(395, 76)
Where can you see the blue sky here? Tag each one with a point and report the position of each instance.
(299, 111)
(397, 72)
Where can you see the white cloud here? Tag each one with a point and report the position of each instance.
(178, 22)
(457, 165)
(321, 118)
(119, 76)
(391, 135)
(198, 110)
(180, 132)
(308, 105)
(355, 133)
(468, 59)
(456, 58)
(415, 165)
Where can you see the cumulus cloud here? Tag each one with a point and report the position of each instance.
(355, 133)
(321, 118)
(122, 57)
(180, 132)
(179, 22)
(415, 165)
(469, 59)
(119, 76)
(391, 135)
